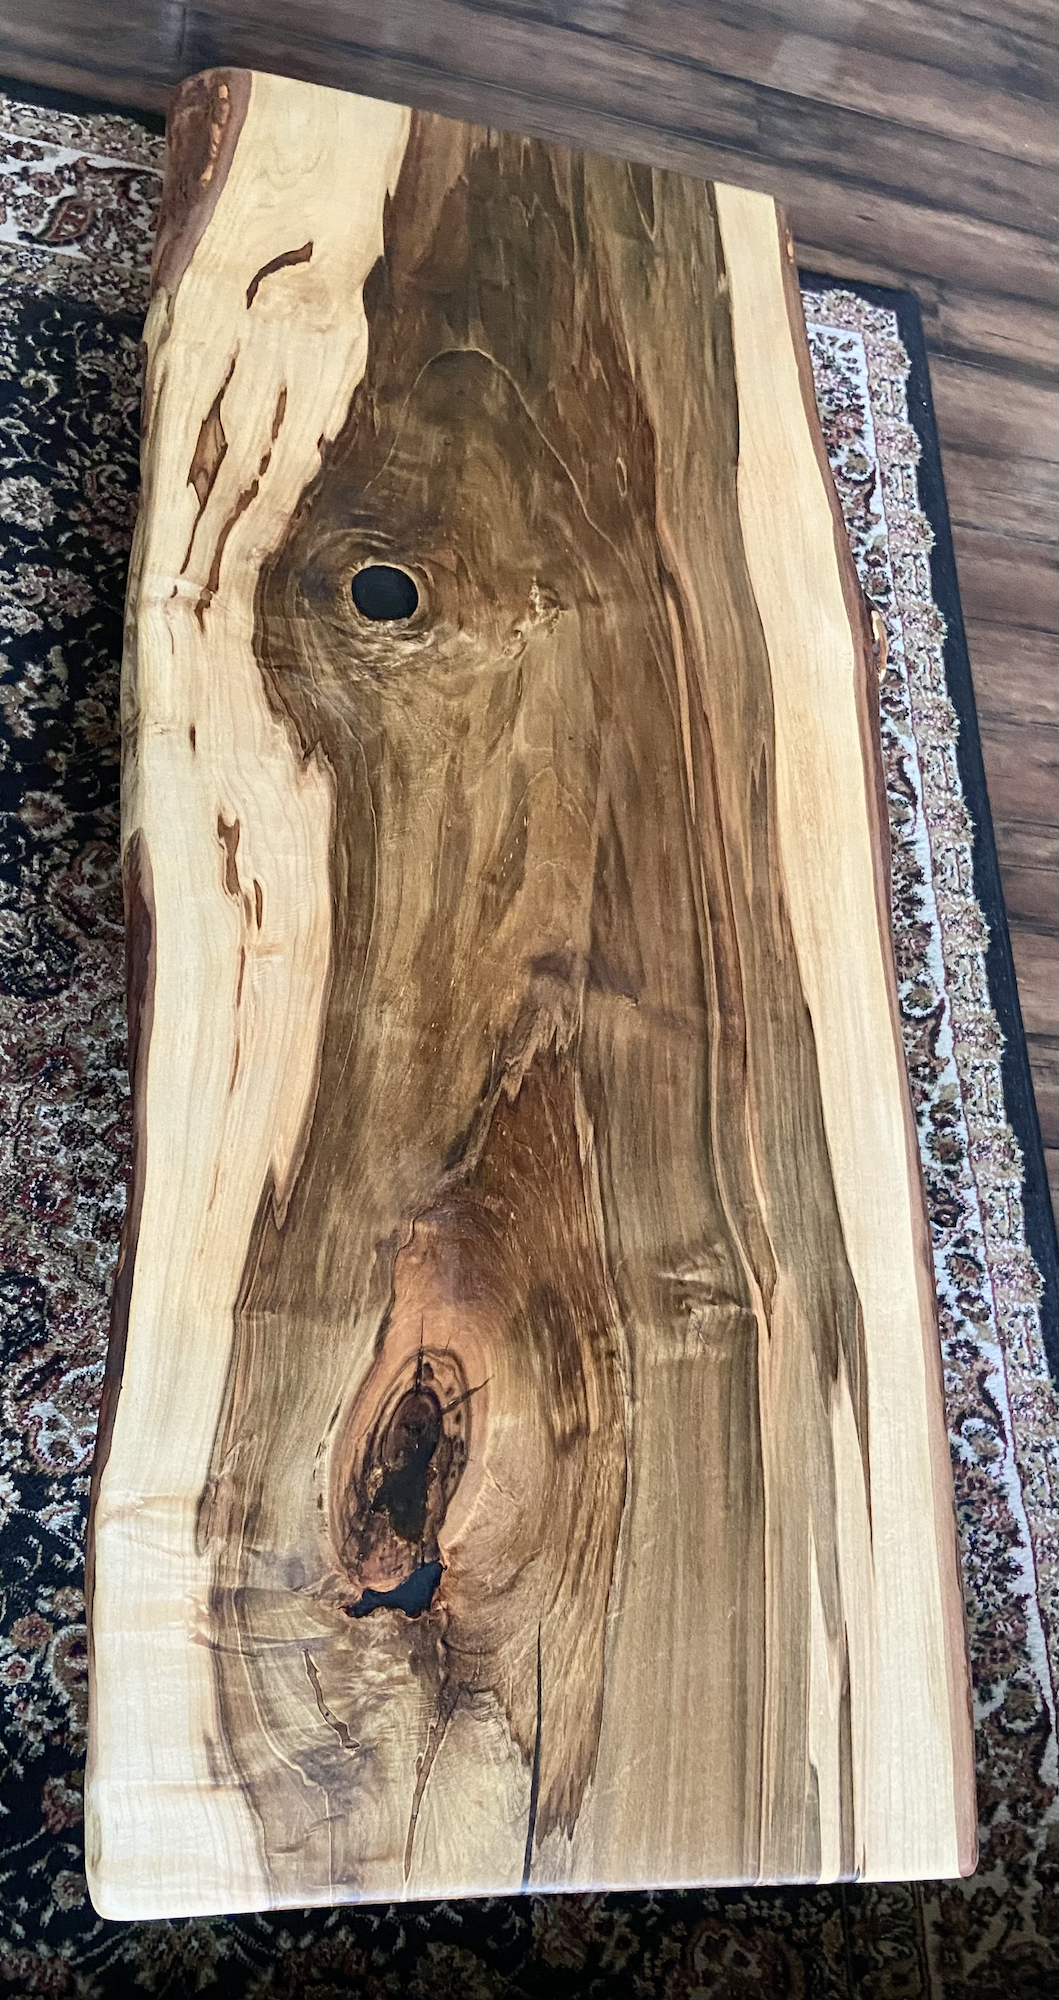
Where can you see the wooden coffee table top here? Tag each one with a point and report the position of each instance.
(523, 1461)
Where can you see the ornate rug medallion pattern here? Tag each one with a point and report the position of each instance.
(77, 195)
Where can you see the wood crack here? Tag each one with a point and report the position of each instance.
(333, 1721)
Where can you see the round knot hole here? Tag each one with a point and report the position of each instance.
(384, 593)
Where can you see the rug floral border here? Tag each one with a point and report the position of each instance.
(988, 1284)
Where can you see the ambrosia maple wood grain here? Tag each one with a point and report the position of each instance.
(523, 1459)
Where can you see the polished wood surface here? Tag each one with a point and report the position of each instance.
(525, 1363)
(912, 142)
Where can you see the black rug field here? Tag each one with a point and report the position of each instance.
(78, 189)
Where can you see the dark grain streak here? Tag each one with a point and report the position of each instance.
(535, 1775)
(210, 450)
(299, 256)
(246, 498)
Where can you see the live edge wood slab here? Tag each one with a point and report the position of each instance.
(523, 1458)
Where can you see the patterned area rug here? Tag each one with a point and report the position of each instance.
(77, 192)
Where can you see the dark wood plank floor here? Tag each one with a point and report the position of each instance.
(914, 142)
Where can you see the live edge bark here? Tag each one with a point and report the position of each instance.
(525, 1452)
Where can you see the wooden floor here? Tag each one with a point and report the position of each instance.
(913, 142)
